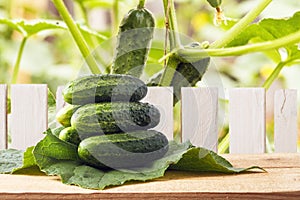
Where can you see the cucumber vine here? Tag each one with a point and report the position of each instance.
(77, 36)
(18, 61)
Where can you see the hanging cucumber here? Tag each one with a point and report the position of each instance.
(187, 73)
(133, 42)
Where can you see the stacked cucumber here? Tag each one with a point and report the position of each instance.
(110, 125)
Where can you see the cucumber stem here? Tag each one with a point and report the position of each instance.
(18, 61)
(241, 25)
(224, 145)
(194, 54)
(174, 38)
(77, 36)
(115, 17)
(141, 4)
(267, 84)
(172, 31)
(84, 13)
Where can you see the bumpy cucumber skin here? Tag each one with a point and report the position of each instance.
(187, 73)
(126, 150)
(104, 88)
(70, 135)
(115, 117)
(133, 43)
(64, 115)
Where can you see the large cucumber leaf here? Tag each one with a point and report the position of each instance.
(31, 27)
(10, 159)
(268, 30)
(56, 157)
(203, 160)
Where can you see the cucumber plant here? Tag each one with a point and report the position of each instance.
(244, 37)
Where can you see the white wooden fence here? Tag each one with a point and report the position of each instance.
(199, 113)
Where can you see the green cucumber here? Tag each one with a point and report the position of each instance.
(70, 135)
(133, 42)
(186, 73)
(115, 117)
(104, 88)
(64, 115)
(126, 150)
(56, 131)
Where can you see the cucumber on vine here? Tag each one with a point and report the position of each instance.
(133, 42)
(186, 74)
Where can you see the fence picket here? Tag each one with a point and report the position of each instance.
(199, 109)
(285, 121)
(247, 120)
(162, 98)
(3, 116)
(199, 113)
(29, 114)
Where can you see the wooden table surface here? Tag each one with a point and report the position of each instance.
(281, 182)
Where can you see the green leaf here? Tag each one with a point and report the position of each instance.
(268, 30)
(31, 27)
(56, 157)
(29, 165)
(10, 159)
(75, 173)
(51, 150)
(203, 160)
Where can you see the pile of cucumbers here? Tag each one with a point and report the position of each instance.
(106, 120)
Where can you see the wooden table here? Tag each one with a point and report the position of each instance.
(281, 182)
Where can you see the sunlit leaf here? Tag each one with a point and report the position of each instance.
(31, 27)
(268, 30)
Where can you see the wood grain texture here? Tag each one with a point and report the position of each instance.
(3, 116)
(199, 116)
(247, 110)
(279, 183)
(29, 114)
(285, 121)
(162, 98)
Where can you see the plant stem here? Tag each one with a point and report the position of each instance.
(224, 144)
(141, 4)
(115, 17)
(173, 26)
(77, 36)
(84, 12)
(241, 25)
(18, 61)
(274, 74)
(172, 30)
(195, 54)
